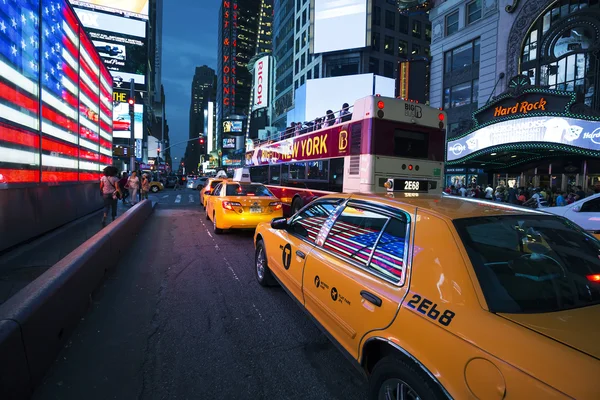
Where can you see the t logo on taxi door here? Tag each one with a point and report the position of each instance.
(287, 256)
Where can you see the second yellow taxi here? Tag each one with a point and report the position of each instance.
(239, 204)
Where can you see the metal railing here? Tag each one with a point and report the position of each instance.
(306, 127)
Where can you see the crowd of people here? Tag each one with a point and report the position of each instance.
(113, 189)
(330, 119)
(534, 197)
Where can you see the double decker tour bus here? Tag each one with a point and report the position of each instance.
(385, 138)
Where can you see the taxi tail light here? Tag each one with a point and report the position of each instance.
(276, 205)
(228, 205)
(594, 278)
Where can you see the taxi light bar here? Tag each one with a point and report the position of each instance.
(594, 278)
(228, 205)
(276, 205)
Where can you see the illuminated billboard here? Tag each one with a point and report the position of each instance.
(128, 8)
(71, 139)
(120, 41)
(233, 126)
(552, 130)
(229, 143)
(122, 121)
(339, 25)
(262, 70)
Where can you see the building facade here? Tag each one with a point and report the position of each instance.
(519, 81)
(202, 91)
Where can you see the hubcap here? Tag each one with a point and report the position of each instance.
(215, 222)
(260, 264)
(397, 389)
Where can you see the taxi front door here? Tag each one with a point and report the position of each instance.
(346, 293)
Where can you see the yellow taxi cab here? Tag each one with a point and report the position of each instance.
(239, 204)
(156, 186)
(209, 187)
(444, 297)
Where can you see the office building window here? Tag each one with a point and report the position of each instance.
(461, 94)
(388, 69)
(462, 56)
(473, 11)
(373, 65)
(375, 41)
(376, 16)
(297, 66)
(309, 74)
(388, 45)
(302, 80)
(403, 26)
(402, 48)
(416, 50)
(428, 32)
(317, 72)
(452, 23)
(390, 19)
(304, 17)
(298, 26)
(296, 85)
(427, 52)
(416, 29)
(297, 49)
(302, 61)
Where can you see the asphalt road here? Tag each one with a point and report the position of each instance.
(182, 317)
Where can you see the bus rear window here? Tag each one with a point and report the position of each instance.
(411, 144)
(532, 264)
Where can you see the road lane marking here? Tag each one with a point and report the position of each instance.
(165, 196)
(208, 233)
(178, 199)
(191, 198)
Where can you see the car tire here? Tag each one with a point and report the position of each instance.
(263, 274)
(215, 229)
(296, 205)
(392, 373)
(206, 212)
(154, 189)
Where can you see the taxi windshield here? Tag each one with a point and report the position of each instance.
(532, 264)
(250, 189)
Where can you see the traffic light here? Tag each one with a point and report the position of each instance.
(201, 140)
(131, 104)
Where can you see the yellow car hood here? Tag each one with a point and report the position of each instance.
(578, 328)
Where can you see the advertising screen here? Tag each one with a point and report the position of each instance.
(339, 25)
(556, 130)
(229, 143)
(120, 42)
(261, 83)
(133, 8)
(74, 126)
(233, 126)
(122, 121)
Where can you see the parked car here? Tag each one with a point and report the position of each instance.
(584, 212)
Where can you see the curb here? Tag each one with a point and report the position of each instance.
(37, 321)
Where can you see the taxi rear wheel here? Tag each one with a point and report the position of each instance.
(154, 189)
(261, 268)
(392, 378)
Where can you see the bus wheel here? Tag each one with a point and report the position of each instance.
(296, 205)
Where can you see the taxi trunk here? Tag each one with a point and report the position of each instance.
(577, 328)
(249, 211)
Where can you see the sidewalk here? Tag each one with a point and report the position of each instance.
(25, 263)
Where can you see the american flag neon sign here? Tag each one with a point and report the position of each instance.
(67, 136)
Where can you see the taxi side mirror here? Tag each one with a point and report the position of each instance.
(577, 208)
(279, 223)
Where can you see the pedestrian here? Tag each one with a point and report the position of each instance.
(133, 184)
(579, 194)
(560, 200)
(145, 186)
(176, 187)
(109, 188)
(489, 192)
(122, 185)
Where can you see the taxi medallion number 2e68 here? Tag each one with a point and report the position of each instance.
(429, 308)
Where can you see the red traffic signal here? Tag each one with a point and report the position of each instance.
(201, 140)
(131, 102)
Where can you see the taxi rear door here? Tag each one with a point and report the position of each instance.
(352, 279)
(288, 249)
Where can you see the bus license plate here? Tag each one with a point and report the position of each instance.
(410, 185)
(255, 210)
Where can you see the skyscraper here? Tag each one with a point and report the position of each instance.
(244, 31)
(203, 85)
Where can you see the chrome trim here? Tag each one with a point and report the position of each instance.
(406, 353)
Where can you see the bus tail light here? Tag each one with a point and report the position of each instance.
(228, 205)
(276, 205)
(410, 167)
(380, 105)
(441, 116)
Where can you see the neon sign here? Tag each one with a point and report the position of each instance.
(230, 25)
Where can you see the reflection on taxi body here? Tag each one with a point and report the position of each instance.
(439, 297)
(236, 205)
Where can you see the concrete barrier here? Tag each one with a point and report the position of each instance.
(37, 321)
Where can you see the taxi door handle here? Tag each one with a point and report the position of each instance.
(370, 297)
(300, 254)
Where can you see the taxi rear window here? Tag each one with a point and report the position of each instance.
(532, 264)
(248, 190)
(214, 184)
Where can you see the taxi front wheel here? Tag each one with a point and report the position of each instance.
(392, 378)
(263, 273)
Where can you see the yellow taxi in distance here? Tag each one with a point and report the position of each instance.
(241, 205)
(444, 297)
(209, 188)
